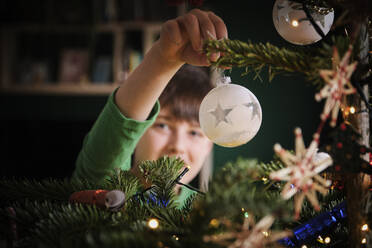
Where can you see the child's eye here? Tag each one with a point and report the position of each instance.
(161, 125)
(196, 133)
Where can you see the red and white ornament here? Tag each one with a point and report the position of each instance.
(251, 235)
(337, 85)
(301, 172)
(112, 200)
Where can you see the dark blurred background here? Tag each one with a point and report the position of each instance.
(42, 133)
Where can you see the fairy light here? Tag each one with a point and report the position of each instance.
(320, 239)
(327, 240)
(352, 110)
(214, 223)
(266, 234)
(243, 209)
(153, 223)
(304, 246)
(294, 23)
(364, 228)
(346, 111)
(264, 179)
(246, 215)
(364, 241)
(175, 237)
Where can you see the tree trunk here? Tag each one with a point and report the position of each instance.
(357, 184)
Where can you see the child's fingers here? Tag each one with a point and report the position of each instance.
(172, 32)
(206, 25)
(190, 23)
(193, 57)
(219, 25)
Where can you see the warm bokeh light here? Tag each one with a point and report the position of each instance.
(214, 223)
(364, 227)
(327, 240)
(295, 23)
(352, 110)
(153, 223)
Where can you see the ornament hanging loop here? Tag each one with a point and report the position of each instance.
(220, 78)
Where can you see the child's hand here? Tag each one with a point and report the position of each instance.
(181, 39)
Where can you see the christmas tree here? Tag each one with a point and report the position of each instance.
(309, 195)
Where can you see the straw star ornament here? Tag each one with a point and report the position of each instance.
(337, 85)
(250, 235)
(301, 172)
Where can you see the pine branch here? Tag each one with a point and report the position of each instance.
(161, 174)
(238, 189)
(255, 57)
(52, 189)
(124, 181)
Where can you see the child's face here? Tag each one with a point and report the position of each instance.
(171, 137)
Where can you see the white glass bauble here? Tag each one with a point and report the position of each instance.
(292, 24)
(230, 115)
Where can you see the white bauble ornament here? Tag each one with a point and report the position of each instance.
(115, 200)
(230, 115)
(292, 24)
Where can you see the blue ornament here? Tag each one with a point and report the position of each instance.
(313, 228)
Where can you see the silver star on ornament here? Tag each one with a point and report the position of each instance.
(255, 109)
(220, 114)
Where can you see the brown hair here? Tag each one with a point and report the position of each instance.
(185, 92)
(183, 96)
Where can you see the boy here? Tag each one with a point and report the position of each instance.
(127, 124)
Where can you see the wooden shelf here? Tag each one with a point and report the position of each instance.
(62, 89)
(121, 41)
(109, 27)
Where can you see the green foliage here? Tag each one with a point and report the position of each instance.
(12, 189)
(254, 57)
(162, 173)
(124, 181)
(47, 219)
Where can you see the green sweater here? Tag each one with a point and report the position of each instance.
(110, 144)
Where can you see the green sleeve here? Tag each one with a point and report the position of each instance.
(111, 142)
(182, 197)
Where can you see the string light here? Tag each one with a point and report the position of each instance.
(246, 215)
(304, 246)
(348, 110)
(175, 237)
(294, 23)
(352, 110)
(327, 240)
(266, 234)
(153, 223)
(364, 228)
(364, 241)
(214, 223)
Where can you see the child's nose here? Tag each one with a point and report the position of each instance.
(177, 143)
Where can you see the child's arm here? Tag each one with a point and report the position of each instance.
(180, 42)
